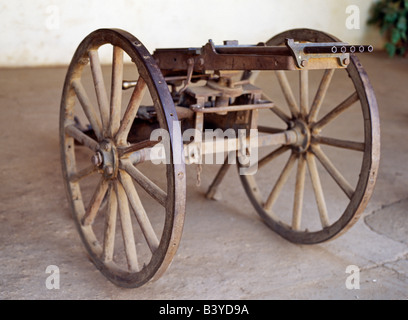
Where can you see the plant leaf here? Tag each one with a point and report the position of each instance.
(402, 23)
(390, 48)
(395, 36)
(391, 14)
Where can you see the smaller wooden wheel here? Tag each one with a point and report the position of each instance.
(325, 196)
(129, 213)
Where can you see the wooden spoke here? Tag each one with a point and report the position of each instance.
(299, 191)
(269, 129)
(336, 111)
(139, 211)
(137, 146)
(149, 186)
(276, 110)
(282, 115)
(268, 158)
(88, 108)
(336, 175)
(320, 94)
(131, 111)
(127, 228)
(304, 92)
(110, 226)
(95, 203)
(317, 188)
(287, 91)
(81, 137)
(116, 92)
(100, 89)
(346, 144)
(280, 183)
(83, 173)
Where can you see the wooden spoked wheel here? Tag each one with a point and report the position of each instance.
(129, 213)
(335, 116)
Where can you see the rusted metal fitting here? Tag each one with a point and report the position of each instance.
(109, 170)
(346, 61)
(97, 159)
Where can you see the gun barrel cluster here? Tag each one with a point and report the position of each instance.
(337, 49)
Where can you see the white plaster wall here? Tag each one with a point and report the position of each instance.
(46, 32)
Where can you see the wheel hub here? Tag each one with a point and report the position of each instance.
(303, 133)
(106, 158)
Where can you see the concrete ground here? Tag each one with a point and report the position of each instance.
(226, 251)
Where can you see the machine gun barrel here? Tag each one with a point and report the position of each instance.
(337, 49)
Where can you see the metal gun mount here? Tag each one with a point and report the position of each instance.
(232, 56)
(304, 52)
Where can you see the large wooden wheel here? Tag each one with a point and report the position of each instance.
(130, 216)
(332, 124)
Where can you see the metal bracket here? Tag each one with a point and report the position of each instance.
(302, 58)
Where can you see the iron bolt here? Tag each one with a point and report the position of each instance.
(109, 170)
(346, 61)
(106, 147)
(97, 159)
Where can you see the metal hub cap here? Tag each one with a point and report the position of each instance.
(106, 159)
(303, 135)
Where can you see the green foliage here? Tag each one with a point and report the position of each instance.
(391, 16)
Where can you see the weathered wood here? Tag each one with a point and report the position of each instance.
(299, 192)
(100, 89)
(110, 226)
(320, 94)
(318, 190)
(149, 186)
(271, 156)
(95, 203)
(276, 109)
(75, 177)
(127, 228)
(346, 144)
(116, 91)
(81, 137)
(139, 211)
(273, 196)
(88, 108)
(336, 175)
(343, 106)
(131, 111)
(304, 92)
(287, 91)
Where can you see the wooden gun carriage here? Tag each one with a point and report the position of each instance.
(124, 146)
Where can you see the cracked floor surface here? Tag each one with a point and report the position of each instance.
(226, 252)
